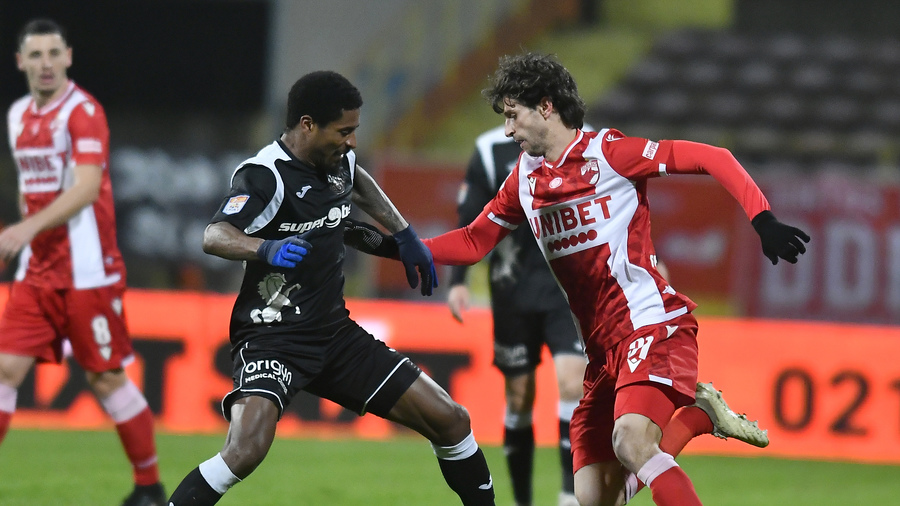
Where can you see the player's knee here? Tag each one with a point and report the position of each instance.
(598, 486)
(571, 388)
(632, 442)
(454, 425)
(105, 383)
(243, 457)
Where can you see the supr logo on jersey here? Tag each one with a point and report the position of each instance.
(331, 220)
(235, 204)
(613, 138)
(88, 108)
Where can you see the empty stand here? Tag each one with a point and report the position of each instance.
(782, 101)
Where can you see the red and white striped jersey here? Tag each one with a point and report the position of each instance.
(47, 144)
(589, 215)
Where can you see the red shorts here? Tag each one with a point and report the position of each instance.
(661, 367)
(36, 320)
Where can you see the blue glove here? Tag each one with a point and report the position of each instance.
(416, 255)
(287, 252)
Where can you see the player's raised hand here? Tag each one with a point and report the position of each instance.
(416, 256)
(287, 252)
(779, 240)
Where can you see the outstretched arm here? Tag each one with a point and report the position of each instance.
(778, 239)
(467, 245)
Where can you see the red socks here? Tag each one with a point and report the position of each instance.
(5, 418)
(686, 424)
(137, 439)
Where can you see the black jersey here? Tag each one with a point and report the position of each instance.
(519, 276)
(274, 195)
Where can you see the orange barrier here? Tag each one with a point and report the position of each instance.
(827, 391)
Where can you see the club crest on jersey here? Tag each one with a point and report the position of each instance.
(590, 172)
(235, 204)
(274, 291)
(336, 183)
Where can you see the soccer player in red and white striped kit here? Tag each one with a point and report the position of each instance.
(71, 277)
(584, 196)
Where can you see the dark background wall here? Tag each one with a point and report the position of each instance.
(811, 17)
(152, 55)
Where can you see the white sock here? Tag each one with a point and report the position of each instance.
(658, 464)
(631, 485)
(125, 403)
(460, 451)
(517, 420)
(8, 396)
(216, 472)
(566, 408)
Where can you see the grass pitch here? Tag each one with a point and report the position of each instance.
(89, 468)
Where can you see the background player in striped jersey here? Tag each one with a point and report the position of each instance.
(583, 194)
(71, 276)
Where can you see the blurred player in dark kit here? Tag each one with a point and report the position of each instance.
(71, 276)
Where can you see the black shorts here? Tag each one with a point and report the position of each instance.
(519, 337)
(348, 366)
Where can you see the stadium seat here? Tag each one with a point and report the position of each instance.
(788, 101)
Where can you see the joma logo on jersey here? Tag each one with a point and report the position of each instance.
(333, 219)
(566, 219)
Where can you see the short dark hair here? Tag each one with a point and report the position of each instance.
(323, 96)
(42, 26)
(528, 78)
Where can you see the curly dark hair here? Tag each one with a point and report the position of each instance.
(323, 96)
(527, 78)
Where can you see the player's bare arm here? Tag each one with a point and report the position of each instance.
(223, 239)
(372, 199)
(81, 194)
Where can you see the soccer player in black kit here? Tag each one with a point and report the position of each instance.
(290, 330)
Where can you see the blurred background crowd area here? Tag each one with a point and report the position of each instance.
(805, 93)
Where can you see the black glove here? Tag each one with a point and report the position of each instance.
(287, 252)
(367, 238)
(779, 240)
(416, 255)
